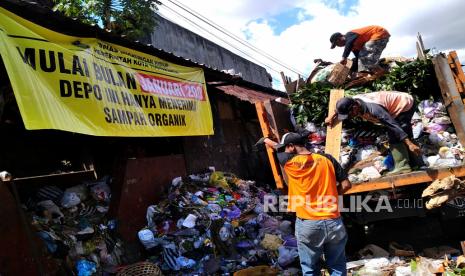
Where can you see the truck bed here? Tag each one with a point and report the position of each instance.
(416, 177)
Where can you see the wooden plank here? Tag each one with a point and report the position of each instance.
(279, 118)
(451, 61)
(457, 71)
(458, 83)
(333, 134)
(63, 180)
(458, 66)
(420, 47)
(406, 179)
(269, 115)
(264, 124)
(289, 85)
(420, 41)
(420, 53)
(449, 93)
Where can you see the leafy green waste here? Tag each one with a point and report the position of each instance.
(310, 103)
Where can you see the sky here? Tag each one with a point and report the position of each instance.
(296, 32)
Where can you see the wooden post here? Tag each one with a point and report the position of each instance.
(333, 134)
(264, 124)
(462, 244)
(450, 94)
(420, 47)
(279, 118)
(456, 67)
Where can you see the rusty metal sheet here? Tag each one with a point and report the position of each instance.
(144, 183)
(249, 95)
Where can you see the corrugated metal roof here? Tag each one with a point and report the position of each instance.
(250, 95)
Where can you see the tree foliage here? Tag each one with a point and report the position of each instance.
(132, 18)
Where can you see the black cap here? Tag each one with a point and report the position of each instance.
(343, 107)
(334, 38)
(290, 138)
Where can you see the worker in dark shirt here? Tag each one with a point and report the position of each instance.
(392, 109)
(366, 43)
(314, 183)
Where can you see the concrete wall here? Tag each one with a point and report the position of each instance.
(182, 42)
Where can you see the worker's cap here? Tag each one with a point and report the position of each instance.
(290, 138)
(343, 107)
(334, 38)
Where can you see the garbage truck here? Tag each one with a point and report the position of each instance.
(403, 191)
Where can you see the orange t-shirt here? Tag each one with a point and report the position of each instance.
(368, 33)
(312, 185)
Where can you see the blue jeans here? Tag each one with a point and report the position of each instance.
(318, 237)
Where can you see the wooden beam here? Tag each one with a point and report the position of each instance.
(420, 53)
(64, 177)
(457, 71)
(420, 47)
(450, 94)
(458, 66)
(284, 78)
(333, 134)
(279, 118)
(265, 126)
(289, 85)
(407, 179)
(420, 41)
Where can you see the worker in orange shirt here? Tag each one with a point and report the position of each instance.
(366, 43)
(314, 183)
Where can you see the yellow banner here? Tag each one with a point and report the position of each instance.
(90, 86)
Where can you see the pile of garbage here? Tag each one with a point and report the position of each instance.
(440, 144)
(74, 226)
(402, 260)
(215, 223)
(365, 149)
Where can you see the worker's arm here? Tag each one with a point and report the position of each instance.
(392, 125)
(269, 142)
(282, 156)
(412, 147)
(341, 175)
(350, 39)
(330, 120)
(344, 186)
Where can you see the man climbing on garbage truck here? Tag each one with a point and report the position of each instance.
(366, 43)
(394, 110)
(313, 195)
